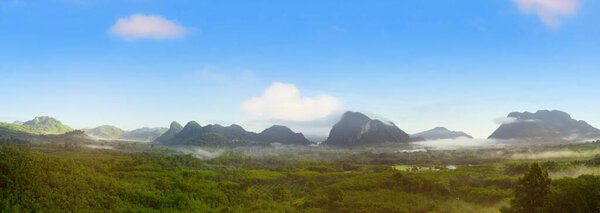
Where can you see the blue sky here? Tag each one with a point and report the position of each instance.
(421, 64)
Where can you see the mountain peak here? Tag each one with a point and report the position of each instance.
(440, 133)
(355, 128)
(192, 125)
(282, 134)
(175, 125)
(554, 124)
(47, 124)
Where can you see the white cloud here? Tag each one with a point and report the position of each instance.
(508, 120)
(146, 26)
(505, 120)
(549, 10)
(284, 102)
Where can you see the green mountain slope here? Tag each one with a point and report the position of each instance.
(195, 135)
(105, 131)
(15, 131)
(144, 134)
(170, 134)
(45, 124)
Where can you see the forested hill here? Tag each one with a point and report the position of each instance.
(217, 135)
(45, 124)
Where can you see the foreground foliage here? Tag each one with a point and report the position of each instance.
(71, 178)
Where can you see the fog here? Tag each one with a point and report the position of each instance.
(99, 147)
(555, 154)
(201, 153)
(461, 142)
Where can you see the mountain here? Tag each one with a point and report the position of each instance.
(106, 132)
(169, 134)
(440, 133)
(45, 124)
(235, 132)
(544, 124)
(196, 135)
(143, 134)
(18, 122)
(282, 135)
(8, 130)
(217, 135)
(357, 129)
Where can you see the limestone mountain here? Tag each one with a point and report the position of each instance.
(357, 129)
(235, 132)
(45, 124)
(282, 135)
(174, 128)
(440, 133)
(196, 135)
(544, 124)
(218, 135)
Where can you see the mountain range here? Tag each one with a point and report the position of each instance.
(217, 135)
(113, 132)
(544, 124)
(352, 129)
(355, 128)
(439, 133)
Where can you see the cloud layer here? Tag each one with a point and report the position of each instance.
(146, 26)
(549, 10)
(284, 102)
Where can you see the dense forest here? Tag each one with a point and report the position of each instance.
(68, 176)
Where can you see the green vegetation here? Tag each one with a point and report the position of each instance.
(106, 131)
(45, 124)
(15, 131)
(58, 173)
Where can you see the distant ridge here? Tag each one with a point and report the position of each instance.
(282, 135)
(116, 133)
(218, 135)
(440, 133)
(105, 132)
(355, 128)
(544, 124)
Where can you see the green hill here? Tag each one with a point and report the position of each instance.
(169, 134)
(195, 135)
(144, 134)
(106, 131)
(45, 124)
(15, 131)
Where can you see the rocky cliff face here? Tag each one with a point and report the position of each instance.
(357, 129)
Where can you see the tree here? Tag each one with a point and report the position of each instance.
(532, 191)
(280, 193)
(335, 196)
